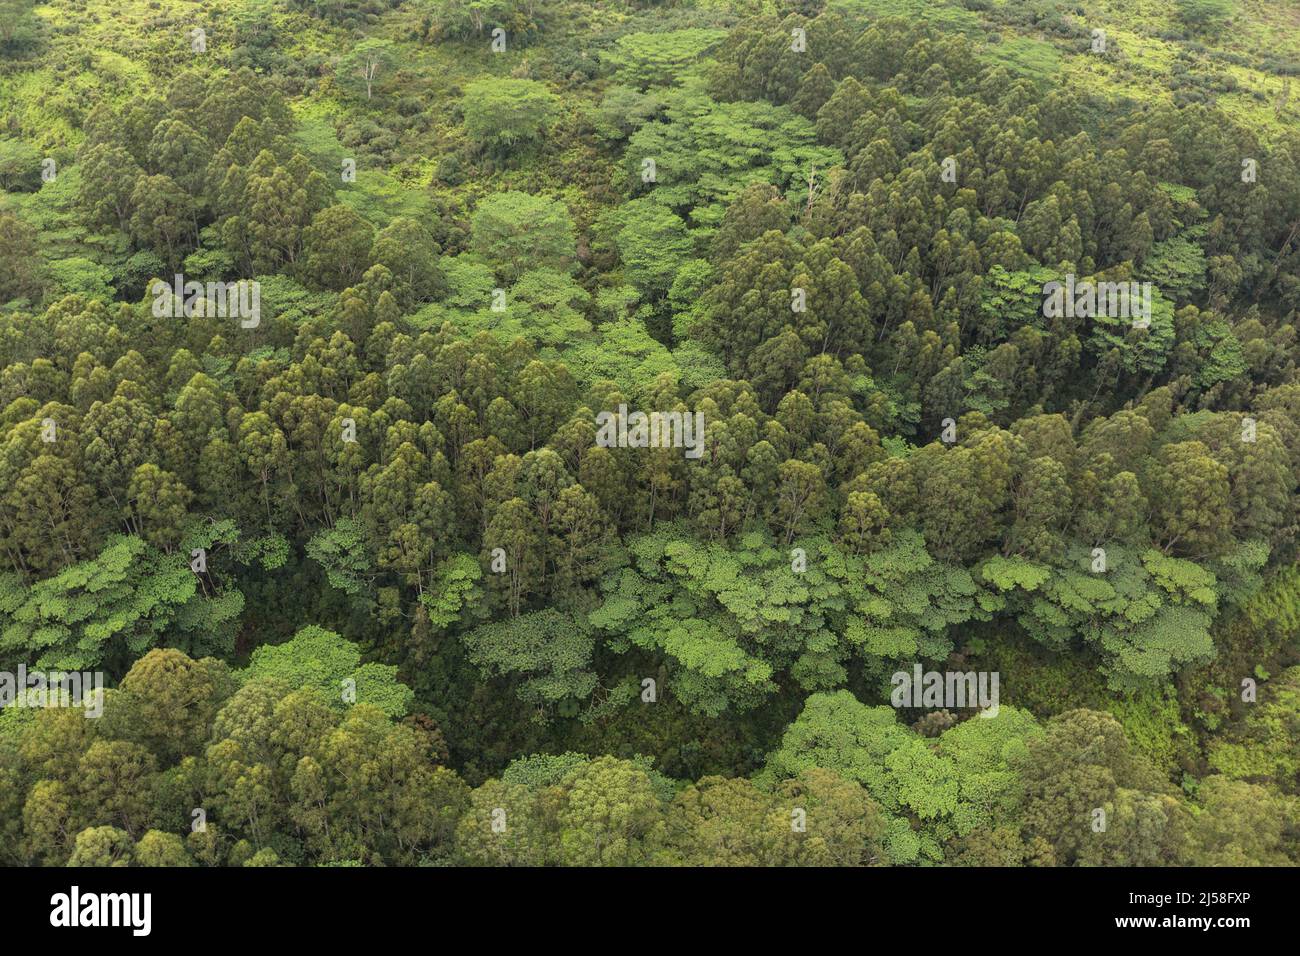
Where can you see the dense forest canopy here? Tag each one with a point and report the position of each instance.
(313, 315)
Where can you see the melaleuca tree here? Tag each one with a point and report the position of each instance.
(115, 782)
(157, 503)
(751, 302)
(843, 826)
(239, 771)
(16, 23)
(367, 304)
(837, 114)
(102, 846)
(118, 435)
(336, 247)
(816, 819)
(1101, 496)
(623, 110)
(1190, 500)
(199, 412)
(963, 490)
(179, 151)
(166, 702)
(156, 848)
(863, 524)
(513, 546)
(1141, 829)
(815, 88)
(999, 846)
(108, 178)
(164, 217)
(265, 209)
(48, 822)
(506, 824)
(467, 20)
(1261, 481)
(1080, 765)
(405, 248)
(45, 513)
(410, 816)
(612, 815)
(1236, 823)
(721, 822)
(1041, 501)
(759, 209)
(835, 317)
(759, 61)
(264, 452)
(580, 539)
(800, 497)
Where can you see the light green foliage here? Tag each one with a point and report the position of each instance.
(965, 780)
(1146, 615)
(838, 732)
(96, 613)
(323, 661)
(622, 352)
(1240, 824)
(706, 153)
(368, 64)
(1140, 350)
(341, 552)
(602, 812)
(508, 114)
(986, 753)
(659, 59)
(653, 245)
(544, 307)
(1011, 300)
(1265, 745)
(455, 591)
(516, 232)
(1177, 265)
(1154, 726)
(473, 21)
(102, 846)
(79, 276)
(734, 621)
(20, 166)
(623, 110)
(549, 651)
(548, 770)
(1205, 15)
(543, 770)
